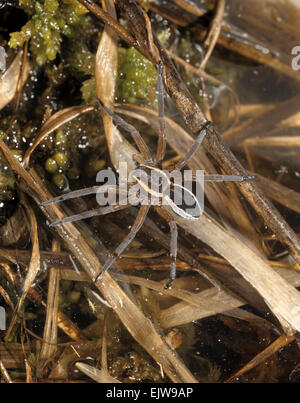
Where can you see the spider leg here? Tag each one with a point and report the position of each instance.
(135, 134)
(140, 218)
(173, 253)
(90, 213)
(202, 133)
(161, 146)
(227, 178)
(80, 193)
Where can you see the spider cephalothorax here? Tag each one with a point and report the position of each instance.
(156, 187)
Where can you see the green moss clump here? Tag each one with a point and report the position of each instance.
(50, 20)
(137, 78)
(88, 91)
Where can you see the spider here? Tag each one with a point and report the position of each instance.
(151, 167)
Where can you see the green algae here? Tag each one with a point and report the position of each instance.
(137, 78)
(50, 21)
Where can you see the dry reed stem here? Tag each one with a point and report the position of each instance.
(263, 122)
(28, 371)
(211, 303)
(214, 32)
(12, 354)
(13, 79)
(232, 39)
(190, 6)
(53, 123)
(6, 298)
(63, 322)
(24, 72)
(252, 267)
(279, 141)
(231, 36)
(98, 375)
(279, 343)
(280, 193)
(268, 143)
(242, 314)
(106, 68)
(4, 373)
(195, 306)
(34, 264)
(50, 329)
(62, 261)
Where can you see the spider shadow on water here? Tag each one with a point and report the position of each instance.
(155, 183)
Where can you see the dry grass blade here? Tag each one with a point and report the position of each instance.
(6, 298)
(264, 121)
(280, 193)
(47, 257)
(53, 123)
(190, 6)
(141, 328)
(50, 330)
(25, 67)
(181, 294)
(269, 145)
(279, 141)
(211, 303)
(233, 39)
(63, 322)
(69, 327)
(12, 79)
(12, 354)
(4, 373)
(34, 264)
(97, 375)
(231, 36)
(193, 306)
(100, 376)
(28, 372)
(214, 32)
(14, 228)
(253, 268)
(279, 343)
(110, 21)
(106, 68)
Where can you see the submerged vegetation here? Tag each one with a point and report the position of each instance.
(220, 315)
(49, 22)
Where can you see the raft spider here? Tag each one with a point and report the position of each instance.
(149, 165)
